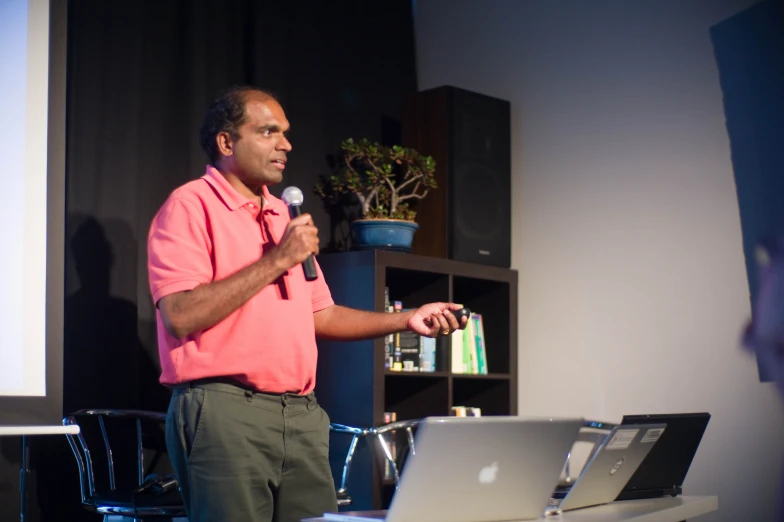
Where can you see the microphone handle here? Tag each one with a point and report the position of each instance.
(308, 266)
(165, 484)
(151, 481)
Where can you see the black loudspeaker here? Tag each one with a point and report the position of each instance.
(468, 217)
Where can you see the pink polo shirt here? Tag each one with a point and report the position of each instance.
(204, 232)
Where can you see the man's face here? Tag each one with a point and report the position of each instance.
(258, 155)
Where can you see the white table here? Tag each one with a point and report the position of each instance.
(670, 509)
(39, 430)
(26, 431)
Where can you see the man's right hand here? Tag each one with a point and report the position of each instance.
(299, 241)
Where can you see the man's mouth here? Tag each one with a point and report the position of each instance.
(281, 164)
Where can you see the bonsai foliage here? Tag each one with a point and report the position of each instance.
(385, 180)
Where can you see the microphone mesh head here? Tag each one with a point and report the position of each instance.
(292, 196)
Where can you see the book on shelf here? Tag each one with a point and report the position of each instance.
(467, 346)
(397, 354)
(389, 340)
(407, 351)
(410, 352)
(465, 411)
(390, 417)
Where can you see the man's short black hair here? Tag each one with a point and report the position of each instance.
(226, 114)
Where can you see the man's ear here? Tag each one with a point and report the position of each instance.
(225, 143)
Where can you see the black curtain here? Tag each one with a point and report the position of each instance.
(140, 76)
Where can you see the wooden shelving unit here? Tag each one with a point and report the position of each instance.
(352, 383)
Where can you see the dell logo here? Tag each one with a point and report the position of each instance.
(616, 466)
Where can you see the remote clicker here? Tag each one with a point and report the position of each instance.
(463, 312)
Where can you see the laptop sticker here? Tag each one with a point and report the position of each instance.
(622, 439)
(652, 435)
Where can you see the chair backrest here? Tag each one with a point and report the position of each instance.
(392, 451)
(396, 440)
(343, 497)
(97, 452)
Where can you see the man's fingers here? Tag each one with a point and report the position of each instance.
(454, 324)
(443, 326)
(304, 219)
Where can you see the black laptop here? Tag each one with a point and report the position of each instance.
(663, 471)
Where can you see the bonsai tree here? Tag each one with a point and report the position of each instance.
(384, 180)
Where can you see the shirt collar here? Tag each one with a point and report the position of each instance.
(233, 199)
(274, 205)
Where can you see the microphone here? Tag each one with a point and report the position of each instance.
(149, 481)
(292, 196)
(157, 485)
(165, 484)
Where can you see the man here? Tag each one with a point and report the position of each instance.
(237, 327)
(764, 335)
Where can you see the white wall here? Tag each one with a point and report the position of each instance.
(626, 231)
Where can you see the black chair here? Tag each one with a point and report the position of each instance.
(108, 484)
(118, 500)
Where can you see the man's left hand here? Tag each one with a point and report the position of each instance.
(436, 320)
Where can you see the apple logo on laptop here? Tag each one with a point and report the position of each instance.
(488, 474)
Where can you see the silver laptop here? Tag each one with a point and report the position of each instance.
(478, 469)
(612, 465)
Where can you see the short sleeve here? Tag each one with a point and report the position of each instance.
(321, 297)
(178, 249)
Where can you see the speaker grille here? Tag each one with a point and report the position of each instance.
(468, 218)
(478, 214)
(480, 195)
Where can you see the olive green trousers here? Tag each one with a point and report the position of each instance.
(244, 456)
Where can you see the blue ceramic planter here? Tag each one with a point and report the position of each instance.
(385, 234)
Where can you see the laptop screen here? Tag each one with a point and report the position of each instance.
(669, 460)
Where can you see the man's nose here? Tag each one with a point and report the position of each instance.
(284, 144)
